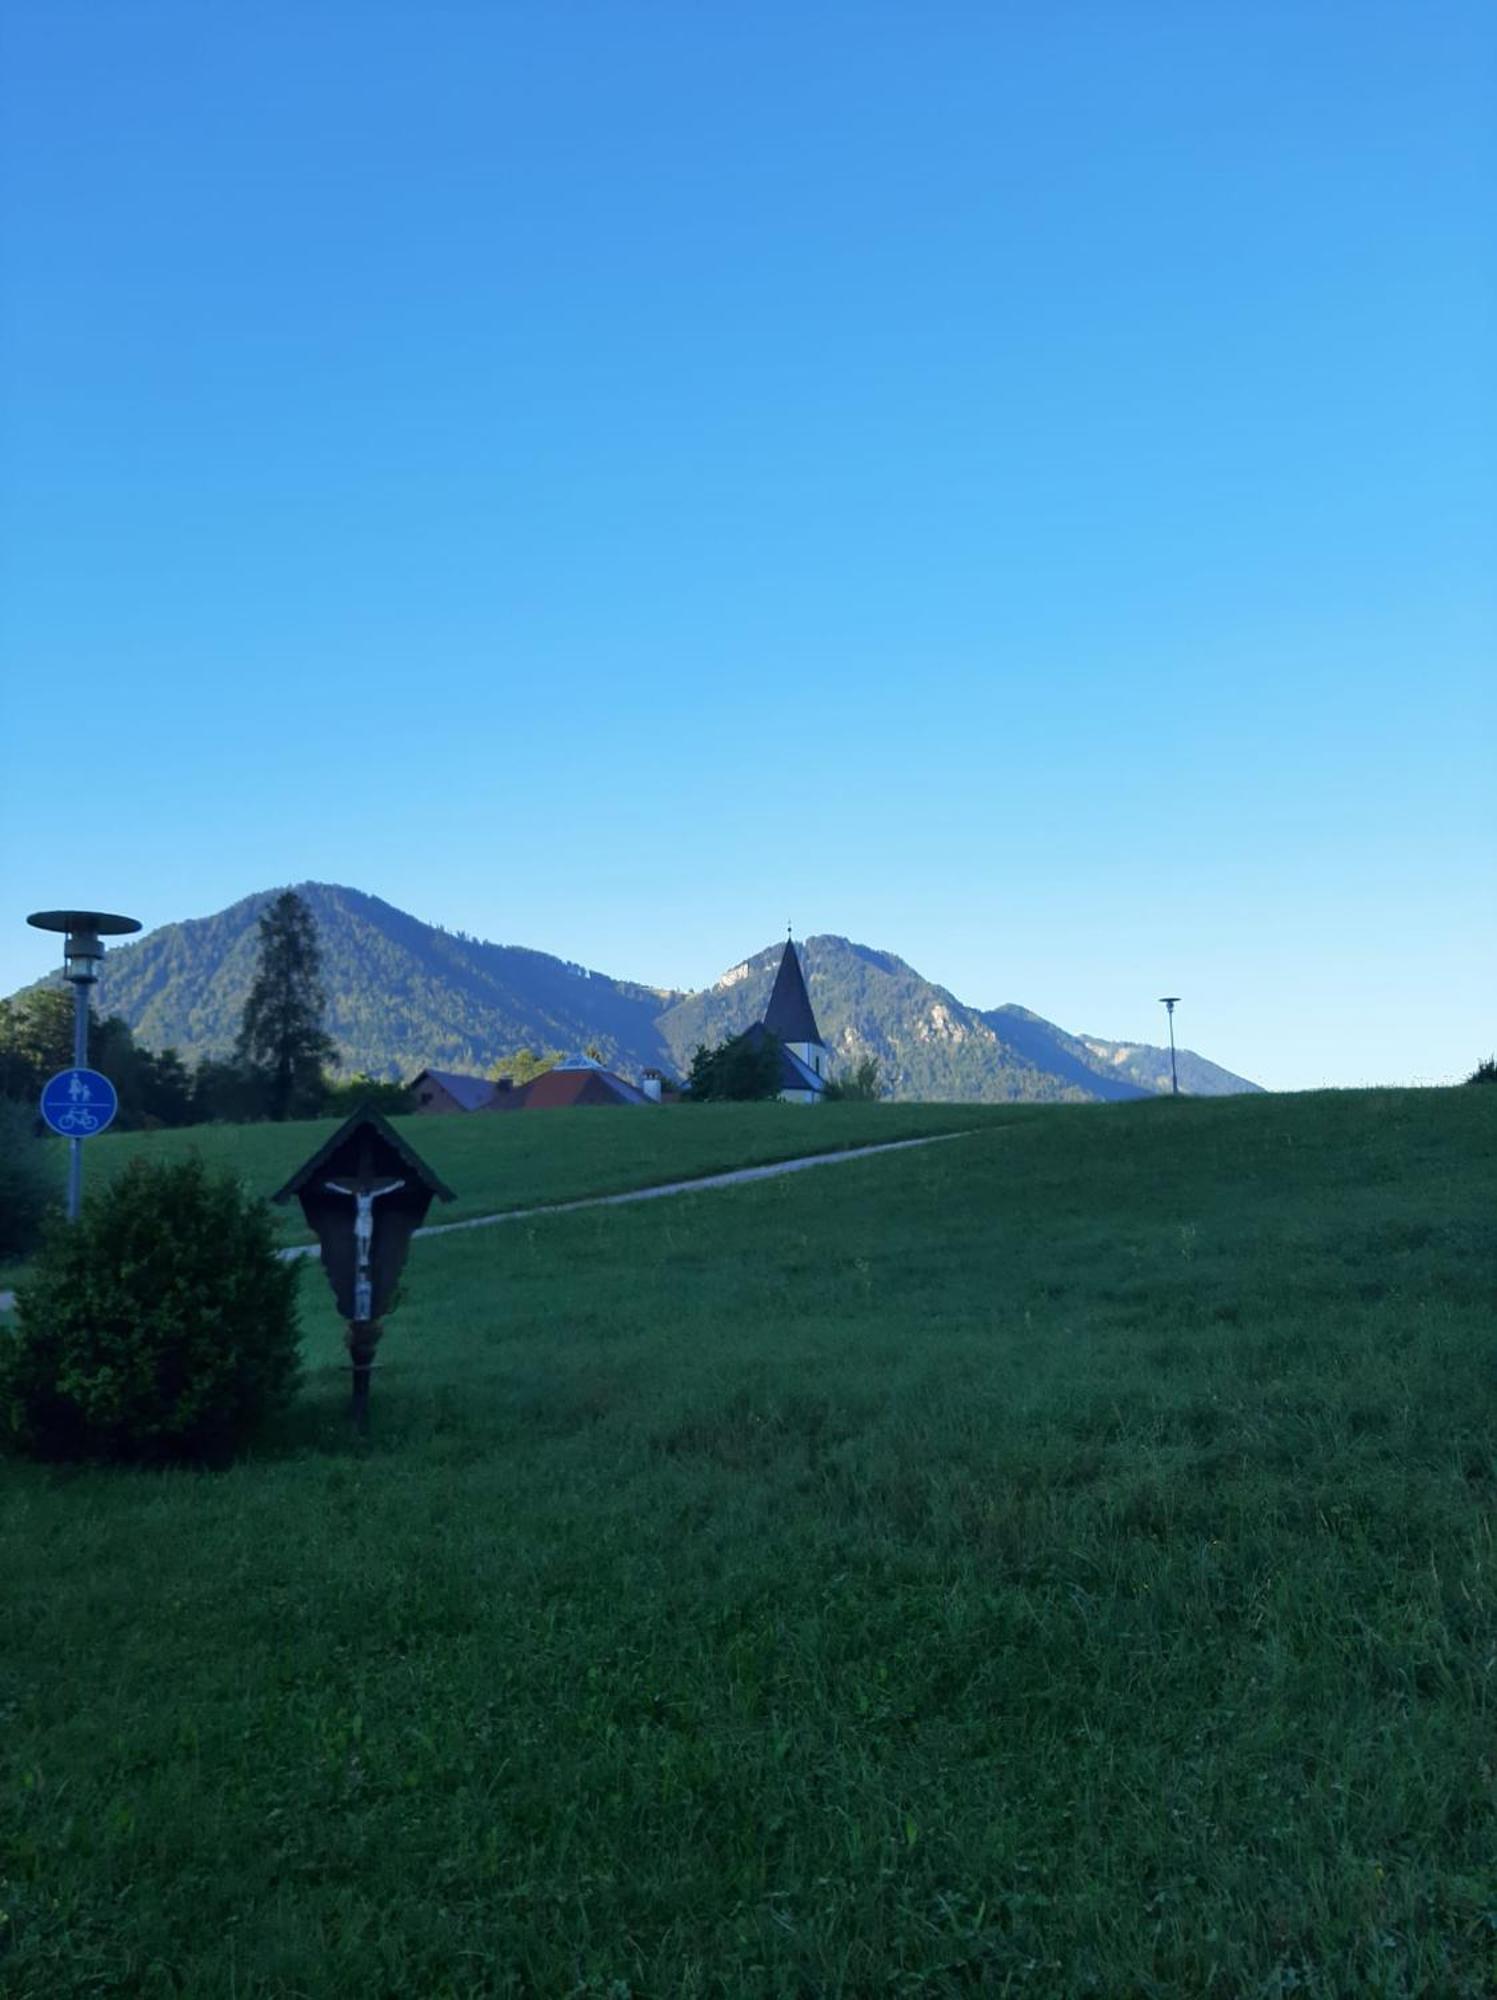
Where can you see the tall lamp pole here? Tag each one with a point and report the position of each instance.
(1169, 1001)
(82, 955)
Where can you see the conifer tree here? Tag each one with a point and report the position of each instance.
(281, 1036)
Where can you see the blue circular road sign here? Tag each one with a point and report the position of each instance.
(79, 1103)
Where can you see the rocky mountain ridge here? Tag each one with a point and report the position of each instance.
(404, 995)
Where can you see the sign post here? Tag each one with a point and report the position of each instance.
(78, 1096)
(78, 1104)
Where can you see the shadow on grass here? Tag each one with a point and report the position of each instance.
(319, 1423)
(404, 1414)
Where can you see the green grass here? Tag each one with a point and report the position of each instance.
(1055, 1563)
(515, 1160)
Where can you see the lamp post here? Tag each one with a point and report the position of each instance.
(84, 932)
(1169, 1001)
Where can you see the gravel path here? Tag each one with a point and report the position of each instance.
(704, 1181)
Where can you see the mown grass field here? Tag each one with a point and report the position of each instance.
(503, 1161)
(1058, 1562)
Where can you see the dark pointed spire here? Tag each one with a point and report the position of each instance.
(788, 1014)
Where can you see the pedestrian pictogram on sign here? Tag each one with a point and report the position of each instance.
(79, 1103)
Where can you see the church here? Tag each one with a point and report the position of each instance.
(805, 1060)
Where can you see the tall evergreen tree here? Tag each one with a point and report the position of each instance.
(282, 1036)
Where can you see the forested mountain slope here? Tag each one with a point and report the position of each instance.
(403, 995)
(870, 1003)
(1120, 1069)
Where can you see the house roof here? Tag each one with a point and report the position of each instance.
(469, 1091)
(788, 1014)
(381, 1133)
(565, 1086)
(794, 1074)
(797, 1075)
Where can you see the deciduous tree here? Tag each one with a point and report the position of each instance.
(524, 1066)
(743, 1069)
(857, 1086)
(36, 1039)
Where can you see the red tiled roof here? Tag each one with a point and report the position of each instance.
(559, 1089)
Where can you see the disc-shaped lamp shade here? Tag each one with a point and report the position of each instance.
(85, 931)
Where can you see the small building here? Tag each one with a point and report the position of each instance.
(808, 1066)
(577, 1081)
(448, 1090)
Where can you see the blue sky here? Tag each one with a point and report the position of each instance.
(1012, 485)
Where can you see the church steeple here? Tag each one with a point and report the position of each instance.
(788, 1015)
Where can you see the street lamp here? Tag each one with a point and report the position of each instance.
(1169, 1001)
(84, 932)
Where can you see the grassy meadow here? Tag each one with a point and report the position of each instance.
(513, 1160)
(1058, 1563)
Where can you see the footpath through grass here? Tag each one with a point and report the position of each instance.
(502, 1160)
(1058, 1562)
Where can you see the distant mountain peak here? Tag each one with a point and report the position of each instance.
(404, 995)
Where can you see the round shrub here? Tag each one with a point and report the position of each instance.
(28, 1186)
(160, 1325)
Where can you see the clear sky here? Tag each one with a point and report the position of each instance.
(1014, 485)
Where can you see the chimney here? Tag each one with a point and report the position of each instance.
(651, 1085)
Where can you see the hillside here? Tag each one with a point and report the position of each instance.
(403, 994)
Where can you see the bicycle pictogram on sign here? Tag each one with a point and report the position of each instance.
(79, 1103)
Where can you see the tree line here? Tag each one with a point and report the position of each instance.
(279, 1068)
(745, 1069)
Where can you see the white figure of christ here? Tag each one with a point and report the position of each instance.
(363, 1238)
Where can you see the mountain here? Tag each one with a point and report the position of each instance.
(1111, 1069)
(869, 1003)
(1066, 1057)
(403, 995)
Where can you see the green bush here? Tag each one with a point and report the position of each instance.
(28, 1192)
(160, 1325)
(365, 1093)
(744, 1069)
(857, 1086)
(1484, 1072)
